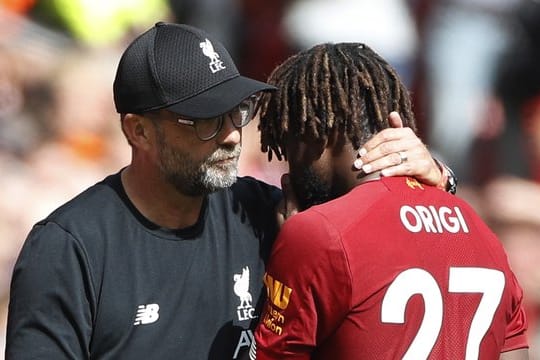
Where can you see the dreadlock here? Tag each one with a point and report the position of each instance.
(331, 86)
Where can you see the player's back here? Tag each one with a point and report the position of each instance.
(391, 270)
(428, 278)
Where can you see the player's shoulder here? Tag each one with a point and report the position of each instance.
(404, 188)
(406, 184)
(328, 220)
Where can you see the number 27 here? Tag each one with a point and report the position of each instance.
(461, 280)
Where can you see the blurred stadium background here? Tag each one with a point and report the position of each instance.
(471, 65)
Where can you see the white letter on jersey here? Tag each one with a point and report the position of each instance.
(246, 337)
(405, 220)
(432, 219)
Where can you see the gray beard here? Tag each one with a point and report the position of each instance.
(193, 178)
(214, 177)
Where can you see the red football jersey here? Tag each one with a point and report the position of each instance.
(392, 270)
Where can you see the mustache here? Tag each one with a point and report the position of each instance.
(224, 153)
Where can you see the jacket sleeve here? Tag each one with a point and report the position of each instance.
(51, 308)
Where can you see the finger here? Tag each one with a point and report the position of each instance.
(408, 168)
(388, 135)
(390, 148)
(386, 162)
(395, 120)
(418, 162)
(421, 167)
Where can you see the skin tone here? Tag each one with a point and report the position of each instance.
(380, 153)
(155, 181)
(157, 184)
(320, 170)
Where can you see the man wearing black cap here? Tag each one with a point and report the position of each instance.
(165, 259)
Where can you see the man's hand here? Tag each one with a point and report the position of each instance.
(398, 151)
(381, 152)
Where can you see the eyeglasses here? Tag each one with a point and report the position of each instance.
(207, 129)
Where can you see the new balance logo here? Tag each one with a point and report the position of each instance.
(147, 314)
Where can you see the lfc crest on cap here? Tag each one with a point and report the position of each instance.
(208, 50)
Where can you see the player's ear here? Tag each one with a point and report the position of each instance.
(136, 129)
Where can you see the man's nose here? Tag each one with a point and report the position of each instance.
(229, 134)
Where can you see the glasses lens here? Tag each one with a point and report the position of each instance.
(207, 128)
(240, 116)
(243, 113)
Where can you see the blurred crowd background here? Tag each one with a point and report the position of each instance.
(472, 67)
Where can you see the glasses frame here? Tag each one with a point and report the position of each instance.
(251, 105)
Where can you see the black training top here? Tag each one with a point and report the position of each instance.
(97, 280)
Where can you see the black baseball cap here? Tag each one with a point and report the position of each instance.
(182, 69)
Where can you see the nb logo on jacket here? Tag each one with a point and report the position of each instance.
(147, 314)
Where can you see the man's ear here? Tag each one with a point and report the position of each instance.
(136, 129)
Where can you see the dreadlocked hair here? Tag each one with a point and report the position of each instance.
(330, 86)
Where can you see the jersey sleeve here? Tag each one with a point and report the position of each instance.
(50, 313)
(516, 329)
(308, 287)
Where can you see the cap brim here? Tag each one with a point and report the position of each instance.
(219, 99)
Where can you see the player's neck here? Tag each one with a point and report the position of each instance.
(361, 179)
